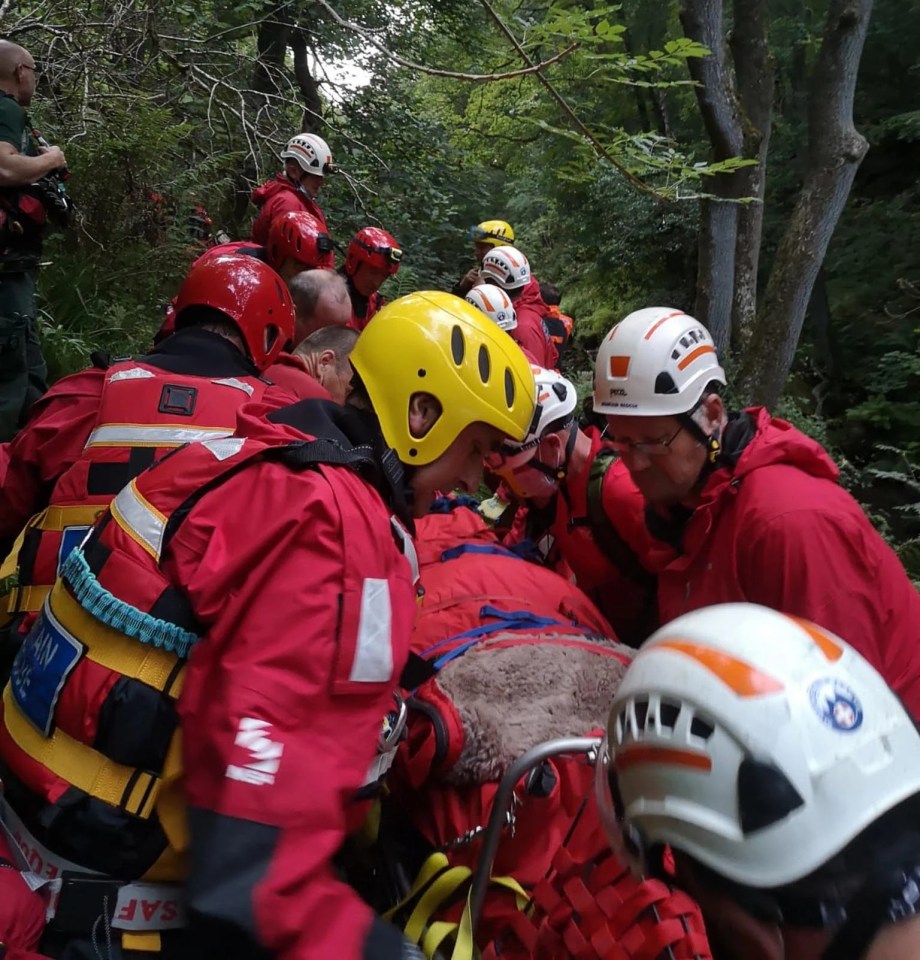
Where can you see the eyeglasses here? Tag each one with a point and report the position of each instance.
(34, 70)
(648, 448)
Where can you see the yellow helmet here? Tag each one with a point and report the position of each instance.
(436, 343)
(496, 233)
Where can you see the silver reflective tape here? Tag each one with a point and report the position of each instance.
(127, 435)
(373, 661)
(247, 388)
(224, 448)
(132, 373)
(139, 519)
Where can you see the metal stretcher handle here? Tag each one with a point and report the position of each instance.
(502, 806)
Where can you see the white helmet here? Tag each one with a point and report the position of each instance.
(556, 403)
(310, 152)
(754, 742)
(654, 363)
(495, 304)
(506, 267)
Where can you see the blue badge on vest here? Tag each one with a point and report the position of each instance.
(41, 668)
(70, 537)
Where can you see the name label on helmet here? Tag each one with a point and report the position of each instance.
(46, 659)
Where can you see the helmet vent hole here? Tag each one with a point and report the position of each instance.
(668, 712)
(457, 345)
(640, 708)
(701, 728)
(664, 383)
(509, 388)
(765, 795)
(413, 452)
(485, 365)
(422, 372)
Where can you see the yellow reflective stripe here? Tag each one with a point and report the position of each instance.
(134, 791)
(144, 941)
(56, 518)
(110, 648)
(139, 519)
(146, 435)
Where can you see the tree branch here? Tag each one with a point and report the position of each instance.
(434, 71)
(536, 69)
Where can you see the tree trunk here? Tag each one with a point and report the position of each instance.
(835, 151)
(715, 93)
(309, 88)
(755, 75)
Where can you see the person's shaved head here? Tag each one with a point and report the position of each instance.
(320, 300)
(17, 72)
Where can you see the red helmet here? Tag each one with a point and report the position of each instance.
(375, 247)
(298, 234)
(250, 294)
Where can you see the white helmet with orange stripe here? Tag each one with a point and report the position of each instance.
(495, 304)
(758, 744)
(656, 362)
(310, 152)
(506, 267)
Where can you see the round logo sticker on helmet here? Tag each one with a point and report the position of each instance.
(836, 704)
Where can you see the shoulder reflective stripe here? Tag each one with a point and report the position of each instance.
(132, 373)
(225, 448)
(110, 648)
(247, 388)
(139, 435)
(139, 519)
(373, 662)
(407, 545)
(134, 791)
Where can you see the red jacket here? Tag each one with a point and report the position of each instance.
(777, 529)
(289, 373)
(622, 590)
(276, 197)
(295, 585)
(60, 423)
(530, 332)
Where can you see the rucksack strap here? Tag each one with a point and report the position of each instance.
(605, 534)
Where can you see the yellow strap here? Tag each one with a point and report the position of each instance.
(146, 941)
(134, 791)
(435, 864)
(29, 598)
(111, 649)
(9, 579)
(434, 897)
(172, 812)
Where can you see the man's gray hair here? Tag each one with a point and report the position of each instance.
(309, 287)
(340, 340)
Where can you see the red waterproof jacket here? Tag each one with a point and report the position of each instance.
(530, 332)
(296, 584)
(616, 578)
(279, 196)
(61, 422)
(774, 527)
(289, 373)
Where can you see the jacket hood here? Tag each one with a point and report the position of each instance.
(530, 297)
(777, 441)
(347, 428)
(280, 184)
(438, 532)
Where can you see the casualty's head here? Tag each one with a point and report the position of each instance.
(489, 234)
(18, 72)
(372, 256)
(320, 300)
(535, 468)
(325, 353)
(781, 773)
(656, 380)
(297, 242)
(447, 385)
(307, 161)
(242, 298)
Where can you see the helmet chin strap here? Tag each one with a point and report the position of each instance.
(562, 471)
